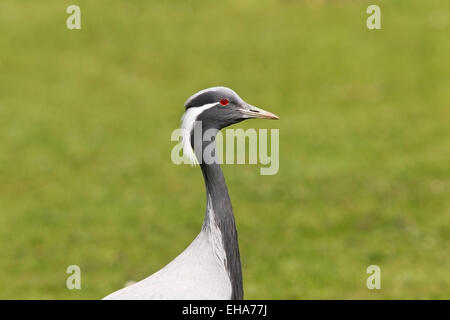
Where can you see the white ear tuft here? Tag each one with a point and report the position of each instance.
(187, 125)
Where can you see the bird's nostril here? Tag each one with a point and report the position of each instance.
(255, 111)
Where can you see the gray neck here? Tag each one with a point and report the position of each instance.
(217, 195)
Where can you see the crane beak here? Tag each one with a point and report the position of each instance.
(254, 112)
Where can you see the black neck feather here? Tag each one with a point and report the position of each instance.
(217, 195)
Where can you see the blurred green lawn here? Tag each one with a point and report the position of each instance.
(86, 118)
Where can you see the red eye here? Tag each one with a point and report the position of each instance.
(224, 101)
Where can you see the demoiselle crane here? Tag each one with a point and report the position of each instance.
(210, 267)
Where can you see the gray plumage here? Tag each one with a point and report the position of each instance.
(210, 267)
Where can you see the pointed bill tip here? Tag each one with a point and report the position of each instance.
(258, 113)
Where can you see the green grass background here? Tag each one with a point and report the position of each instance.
(86, 118)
